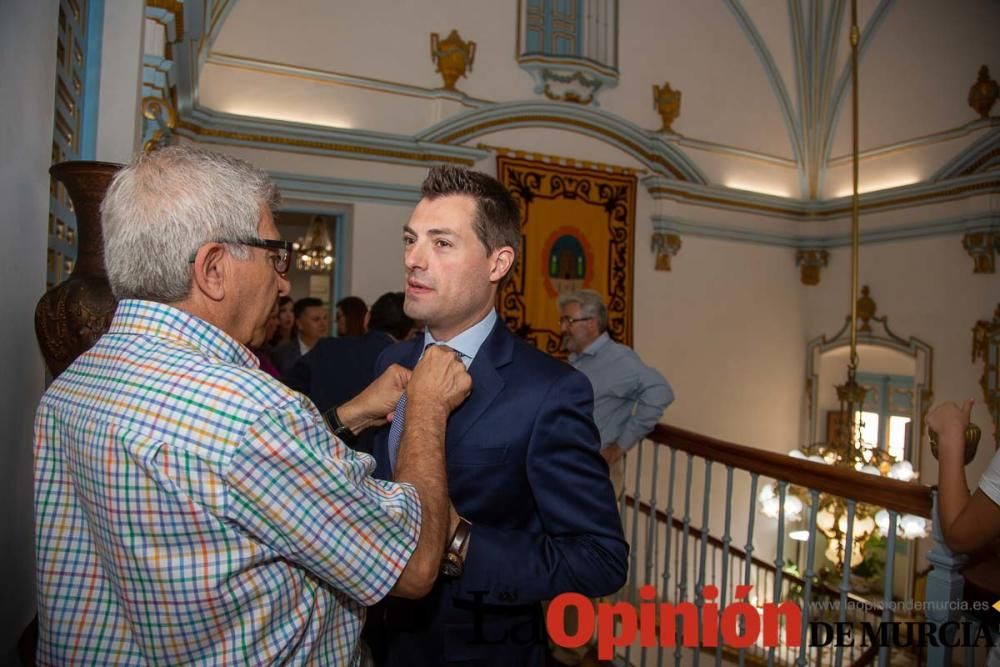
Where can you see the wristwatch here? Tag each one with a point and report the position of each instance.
(454, 560)
(338, 428)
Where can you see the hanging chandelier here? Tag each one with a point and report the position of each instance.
(314, 251)
(847, 447)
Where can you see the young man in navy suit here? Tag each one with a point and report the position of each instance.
(534, 514)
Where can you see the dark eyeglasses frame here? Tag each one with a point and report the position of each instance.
(282, 261)
(569, 321)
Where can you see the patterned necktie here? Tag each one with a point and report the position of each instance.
(396, 431)
(396, 428)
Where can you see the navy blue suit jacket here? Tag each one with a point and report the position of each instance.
(524, 467)
(336, 370)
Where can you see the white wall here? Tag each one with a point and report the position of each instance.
(27, 65)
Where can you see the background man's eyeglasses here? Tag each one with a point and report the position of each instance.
(281, 258)
(567, 320)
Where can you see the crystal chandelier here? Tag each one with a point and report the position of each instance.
(846, 447)
(314, 251)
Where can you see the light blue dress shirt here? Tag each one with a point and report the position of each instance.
(629, 396)
(469, 341)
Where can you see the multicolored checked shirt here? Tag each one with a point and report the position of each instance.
(190, 508)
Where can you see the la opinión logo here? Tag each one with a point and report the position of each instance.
(618, 624)
(739, 624)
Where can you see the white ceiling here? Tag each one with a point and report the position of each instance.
(757, 76)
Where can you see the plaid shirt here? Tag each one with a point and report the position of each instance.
(189, 508)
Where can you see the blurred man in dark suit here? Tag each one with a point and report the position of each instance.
(335, 370)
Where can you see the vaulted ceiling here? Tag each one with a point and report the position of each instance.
(766, 84)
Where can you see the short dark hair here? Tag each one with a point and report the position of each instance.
(305, 302)
(498, 219)
(387, 315)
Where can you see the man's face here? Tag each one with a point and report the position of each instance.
(578, 330)
(313, 323)
(263, 285)
(451, 281)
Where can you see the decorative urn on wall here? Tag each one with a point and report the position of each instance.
(453, 56)
(984, 93)
(71, 316)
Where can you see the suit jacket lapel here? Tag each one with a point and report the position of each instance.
(486, 380)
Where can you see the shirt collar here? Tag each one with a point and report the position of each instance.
(593, 348)
(149, 318)
(469, 341)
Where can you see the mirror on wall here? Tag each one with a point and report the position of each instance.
(897, 371)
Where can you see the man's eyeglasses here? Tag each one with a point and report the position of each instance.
(281, 258)
(567, 320)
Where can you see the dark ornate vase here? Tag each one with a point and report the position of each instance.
(71, 316)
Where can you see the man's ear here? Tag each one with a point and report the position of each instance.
(210, 270)
(502, 263)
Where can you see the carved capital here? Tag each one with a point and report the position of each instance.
(981, 247)
(810, 263)
(159, 120)
(664, 246)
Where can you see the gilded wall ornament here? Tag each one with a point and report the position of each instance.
(810, 263)
(453, 56)
(664, 246)
(159, 120)
(577, 87)
(980, 246)
(667, 103)
(984, 93)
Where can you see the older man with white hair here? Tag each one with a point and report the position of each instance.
(189, 507)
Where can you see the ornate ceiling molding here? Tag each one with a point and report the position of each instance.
(833, 209)
(984, 224)
(215, 127)
(982, 156)
(648, 147)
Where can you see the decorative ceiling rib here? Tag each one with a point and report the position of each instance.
(771, 69)
(816, 31)
(647, 147)
(810, 86)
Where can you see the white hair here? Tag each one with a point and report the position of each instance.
(591, 305)
(165, 205)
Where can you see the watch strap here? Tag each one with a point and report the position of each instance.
(457, 544)
(338, 427)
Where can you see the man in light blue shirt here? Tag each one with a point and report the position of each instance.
(629, 396)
